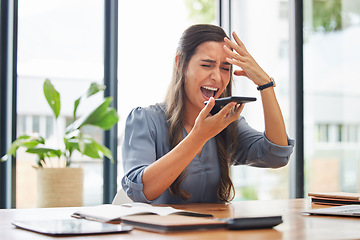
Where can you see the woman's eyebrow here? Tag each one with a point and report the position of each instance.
(208, 61)
(213, 61)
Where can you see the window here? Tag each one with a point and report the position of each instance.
(283, 9)
(323, 132)
(267, 41)
(49, 126)
(61, 40)
(146, 50)
(71, 28)
(36, 124)
(331, 94)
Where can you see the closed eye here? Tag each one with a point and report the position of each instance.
(204, 65)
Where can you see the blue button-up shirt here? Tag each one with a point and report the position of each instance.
(146, 140)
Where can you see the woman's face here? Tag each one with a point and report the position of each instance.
(207, 74)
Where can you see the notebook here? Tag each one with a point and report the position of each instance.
(334, 198)
(171, 223)
(70, 227)
(115, 213)
(352, 210)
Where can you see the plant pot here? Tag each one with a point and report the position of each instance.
(60, 187)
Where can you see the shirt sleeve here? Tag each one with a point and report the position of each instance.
(256, 150)
(138, 152)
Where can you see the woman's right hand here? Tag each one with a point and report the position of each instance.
(208, 126)
(158, 176)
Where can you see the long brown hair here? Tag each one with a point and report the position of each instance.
(226, 141)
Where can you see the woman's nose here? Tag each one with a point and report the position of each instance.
(215, 75)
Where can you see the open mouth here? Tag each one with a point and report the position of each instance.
(208, 92)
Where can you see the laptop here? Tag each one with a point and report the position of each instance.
(352, 210)
(71, 227)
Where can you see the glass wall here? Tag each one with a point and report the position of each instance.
(332, 95)
(263, 26)
(146, 50)
(61, 40)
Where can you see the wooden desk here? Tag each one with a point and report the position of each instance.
(295, 225)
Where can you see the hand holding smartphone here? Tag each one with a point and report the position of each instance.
(220, 102)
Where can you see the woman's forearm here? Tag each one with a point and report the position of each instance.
(275, 129)
(162, 173)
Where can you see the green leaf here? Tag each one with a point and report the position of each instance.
(104, 150)
(4, 158)
(26, 141)
(71, 145)
(76, 104)
(52, 97)
(81, 142)
(91, 150)
(42, 150)
(102, 116)
(93, 89)
(86, 145)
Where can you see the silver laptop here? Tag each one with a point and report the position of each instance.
(352, 210)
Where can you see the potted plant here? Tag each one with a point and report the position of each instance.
(59, 183)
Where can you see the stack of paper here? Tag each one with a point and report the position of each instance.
(335, 198)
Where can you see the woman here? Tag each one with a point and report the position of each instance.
(176, 151)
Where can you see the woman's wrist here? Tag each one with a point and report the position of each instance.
(270, 83)
(196, 139)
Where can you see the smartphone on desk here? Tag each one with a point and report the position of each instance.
(220, 102)
(254, 222)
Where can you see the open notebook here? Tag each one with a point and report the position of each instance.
(168, 219)
(114, 213)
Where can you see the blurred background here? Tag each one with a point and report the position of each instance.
(63, 40)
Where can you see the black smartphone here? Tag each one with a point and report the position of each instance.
(220, 102)
(254, 222)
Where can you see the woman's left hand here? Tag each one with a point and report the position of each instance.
(274, 122)
(242, 58)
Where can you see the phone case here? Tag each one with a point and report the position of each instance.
(220, 102)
